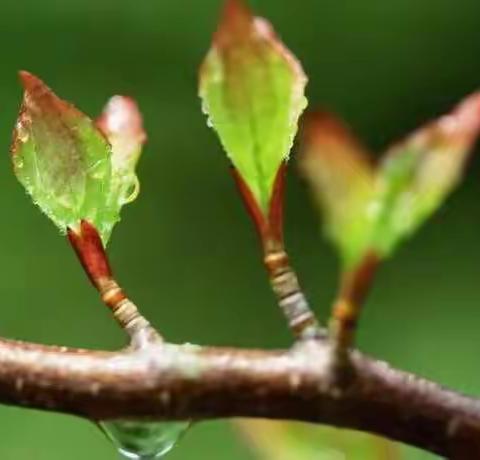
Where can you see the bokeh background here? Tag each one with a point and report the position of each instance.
(185, 250)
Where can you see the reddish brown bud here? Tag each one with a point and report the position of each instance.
(275, 211)
(89, 248)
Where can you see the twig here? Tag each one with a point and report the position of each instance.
(89, 248)
(185, 382)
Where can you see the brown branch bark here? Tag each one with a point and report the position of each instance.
(180, 382)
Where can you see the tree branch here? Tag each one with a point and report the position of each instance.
(179, 382)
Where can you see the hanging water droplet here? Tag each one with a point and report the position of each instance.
(209, 122)
(131, 192)
(144, 440)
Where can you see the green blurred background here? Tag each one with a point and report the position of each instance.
(185, 250)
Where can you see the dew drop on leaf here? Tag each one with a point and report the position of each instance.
(131, 192)
(22, 132)
(19, 163)
(144, 440)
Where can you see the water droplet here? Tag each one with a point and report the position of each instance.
(18, 162)
(131, 192)
(22, 132)
(144, 440)
(207, 113)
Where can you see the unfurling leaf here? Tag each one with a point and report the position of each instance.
(122, 124)
(370, 210)
(66, 164)
(252, 89)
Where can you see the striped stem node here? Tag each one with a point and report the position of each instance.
(90, 251)
(291, 299)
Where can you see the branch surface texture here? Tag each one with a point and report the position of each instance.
(188, 382)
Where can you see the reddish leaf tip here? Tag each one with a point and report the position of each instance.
(122, 116)
(39, 98)
(30, 82)
(321, 124)
(236, 11)
(322, 128)
(26, 77)
(465, 120)
(235, 22)
(458, 129)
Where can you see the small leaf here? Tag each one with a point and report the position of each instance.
(342, 178)
(122, 124)
(416, 175)
(65, 162)
(252, 88)
(59, 156)
(372, 210)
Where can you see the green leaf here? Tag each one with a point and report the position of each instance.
(342, 178)
(416, 176)
(252, 89)
(371, 210)
(65, 162)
